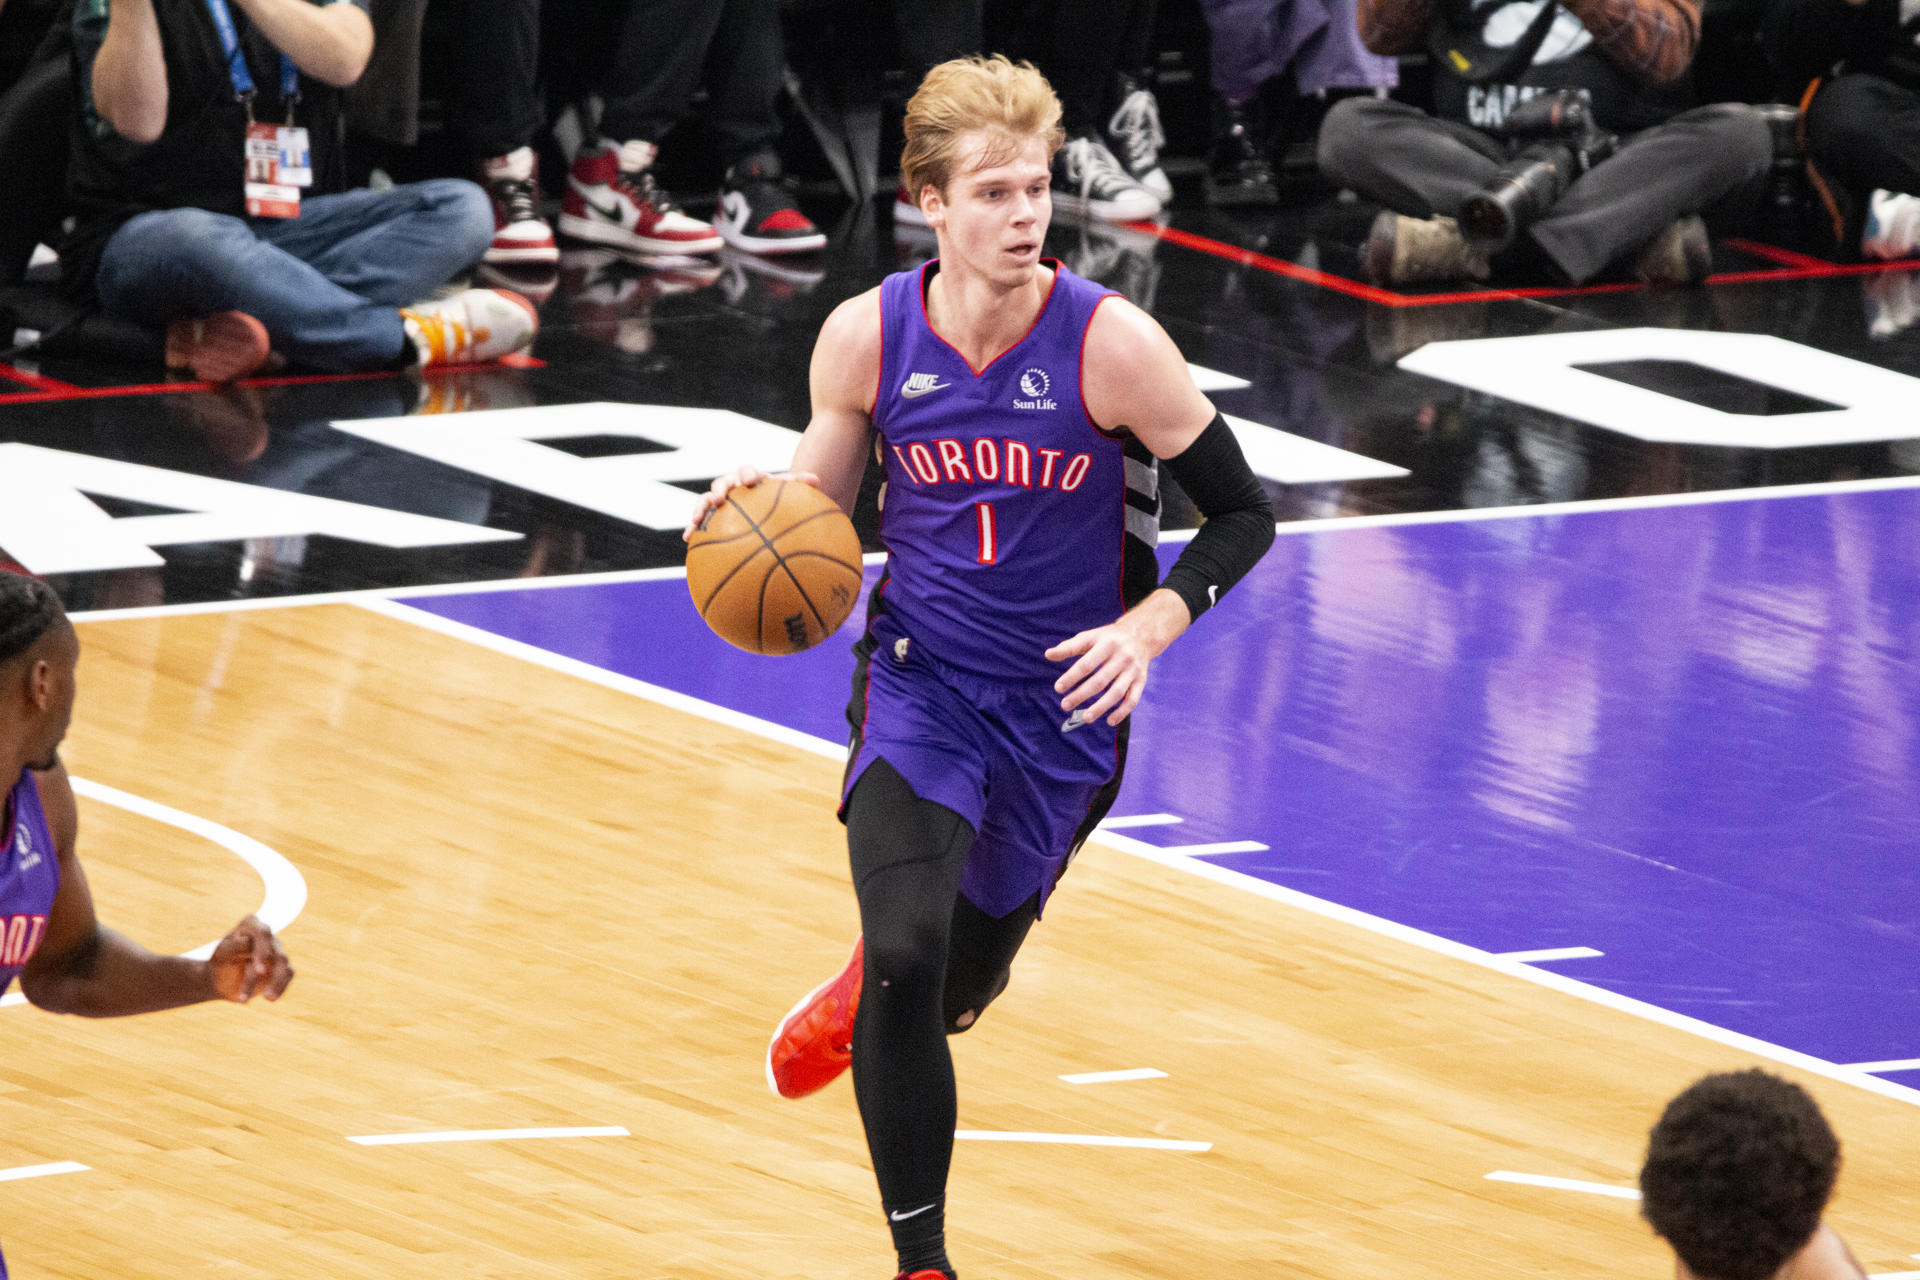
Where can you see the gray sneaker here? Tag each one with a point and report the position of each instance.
(1087, 179)
(1680, 254)
(1403, 250)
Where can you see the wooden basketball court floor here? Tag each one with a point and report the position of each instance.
(1494, 833)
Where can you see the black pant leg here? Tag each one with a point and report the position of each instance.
(1401, 157)
(907, 856)
(980, 952)
(1711, 158)
(931, 32)
(662, 51)
(746, 65)
(495, 98)
(1864, 131)
(1079, 52)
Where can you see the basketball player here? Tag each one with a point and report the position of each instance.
(66, 961)
(1018, 412)
(1738, 1173)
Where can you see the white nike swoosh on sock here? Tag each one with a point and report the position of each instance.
(897, 1216)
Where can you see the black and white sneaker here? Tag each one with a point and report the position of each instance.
(1088, 180)
(1135, 137)
(757, 212)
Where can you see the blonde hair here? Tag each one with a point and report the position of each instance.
(1011, 103)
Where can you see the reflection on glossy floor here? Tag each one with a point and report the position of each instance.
(569, 858)
(539, 902)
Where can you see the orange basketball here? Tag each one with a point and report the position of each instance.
(776, 569)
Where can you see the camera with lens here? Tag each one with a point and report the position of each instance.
(1560, 141)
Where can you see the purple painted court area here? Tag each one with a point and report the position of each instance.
(1688, 737)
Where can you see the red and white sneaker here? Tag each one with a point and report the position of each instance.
(814, 1043)
(757, 212)
(520, 234)
(612, 199)
(472, 326)
(222, 347)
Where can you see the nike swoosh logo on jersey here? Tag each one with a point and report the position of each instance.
(1075, 721)
(897, 1216)
(921, 384)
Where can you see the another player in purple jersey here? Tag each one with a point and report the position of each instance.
(65, 960)
(1020, 414)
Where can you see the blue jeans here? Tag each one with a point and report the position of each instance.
(326, 285)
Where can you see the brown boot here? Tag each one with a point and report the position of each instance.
(1403, 250)
(1680, 254)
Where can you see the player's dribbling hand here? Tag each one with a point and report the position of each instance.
(740, 478)
(249, 962)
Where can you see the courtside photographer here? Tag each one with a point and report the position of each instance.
(1561, 144)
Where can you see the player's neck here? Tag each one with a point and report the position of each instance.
(982, 317)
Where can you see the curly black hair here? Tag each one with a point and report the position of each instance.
(1738, 1170)
(28, 610)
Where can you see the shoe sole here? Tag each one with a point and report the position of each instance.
(230, 345)
(1105, 210)
(787, 1021)
(621, 238)
(760, 245)
(538, 253)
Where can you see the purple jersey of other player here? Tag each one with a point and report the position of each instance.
(1011, 521)
(29, 879)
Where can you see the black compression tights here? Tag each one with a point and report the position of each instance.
(933, 963)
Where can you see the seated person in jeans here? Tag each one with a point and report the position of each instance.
(1635, 212)
(187, 218)
(1863, 124)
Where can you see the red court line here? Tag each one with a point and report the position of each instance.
(58, 391)
(1795, 266)
(33, 379)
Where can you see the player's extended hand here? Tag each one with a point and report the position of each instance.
(1111, 673)
(740, 478)
(249, 962)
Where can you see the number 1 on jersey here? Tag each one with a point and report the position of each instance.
(989, 547)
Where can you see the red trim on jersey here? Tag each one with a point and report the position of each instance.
(926, 282)
(1082, 375)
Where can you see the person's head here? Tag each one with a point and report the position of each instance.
(1738, 1172)
(981, 133)
(38, 653)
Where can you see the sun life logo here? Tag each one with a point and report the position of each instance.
(1035, 384)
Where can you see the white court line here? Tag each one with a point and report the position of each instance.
(41, 1170)
(1895, 1275)
(1192, 866)
(1551, 953)
(1225, 846)
(1323, 524)
(1080, 1140)
(1114, 1077)
(286, 888)
(1897, 1064)
(1139, 820)
(489, 1135)
(1565, 1184)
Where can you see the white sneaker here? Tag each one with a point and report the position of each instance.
(1087, 179)
(472, 326)
(1893, 226)
(612, 199)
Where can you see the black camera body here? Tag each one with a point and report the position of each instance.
(1561, 141)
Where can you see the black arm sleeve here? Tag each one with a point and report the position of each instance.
(1239, 525)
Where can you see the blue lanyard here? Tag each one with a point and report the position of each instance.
(237, 61)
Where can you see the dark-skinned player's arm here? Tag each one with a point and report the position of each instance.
(843, 379)
(1134, 377)
(84, 968)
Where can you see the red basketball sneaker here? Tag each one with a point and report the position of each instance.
(612, 199)
(924, 1275)
(814, 1042)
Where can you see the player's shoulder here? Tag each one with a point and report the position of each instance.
(57, 806)
(1123, 341)
(846, 358)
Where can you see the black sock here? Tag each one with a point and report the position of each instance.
(920, 1236)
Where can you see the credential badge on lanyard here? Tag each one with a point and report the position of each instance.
(278, 159)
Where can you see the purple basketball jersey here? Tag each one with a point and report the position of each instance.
(29, 879)
(1007, 515)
